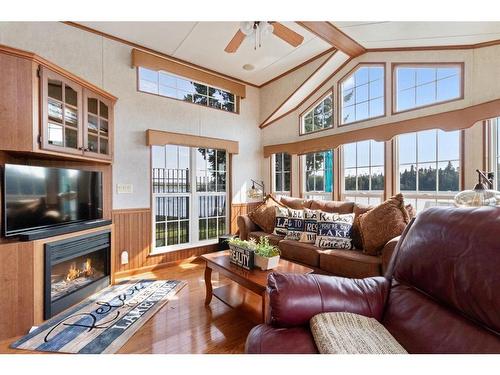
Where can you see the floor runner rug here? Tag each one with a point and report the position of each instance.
(103, 322)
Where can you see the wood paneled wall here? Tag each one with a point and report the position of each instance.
(238, 209)
(133, 233)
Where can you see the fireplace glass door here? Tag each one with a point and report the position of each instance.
(75, 269)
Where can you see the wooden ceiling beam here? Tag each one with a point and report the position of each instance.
(331, 34)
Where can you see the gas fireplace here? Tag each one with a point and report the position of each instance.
(74, 269)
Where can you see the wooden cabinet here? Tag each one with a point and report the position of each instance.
(47, 110)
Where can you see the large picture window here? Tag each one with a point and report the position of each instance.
(364, 172)
(319, 117)
(429, 167)
(282, 174)
(171, 86)
(420, 86)
(318, 175)
(362, 94)
(186, 214)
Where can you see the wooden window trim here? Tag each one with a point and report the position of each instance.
(394, 66)
(339, 93)
(330, 91)
(456, 119)
(162, 138)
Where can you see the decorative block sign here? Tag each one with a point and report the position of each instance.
(241, 257)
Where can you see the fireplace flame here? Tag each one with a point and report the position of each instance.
(85, 271)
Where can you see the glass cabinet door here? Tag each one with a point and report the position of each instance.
(61, 113)
(97, 126)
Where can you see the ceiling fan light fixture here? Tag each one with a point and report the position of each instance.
(246, 27)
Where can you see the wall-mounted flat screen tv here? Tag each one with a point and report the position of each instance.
(38, 197)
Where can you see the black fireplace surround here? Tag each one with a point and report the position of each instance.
(75, 268)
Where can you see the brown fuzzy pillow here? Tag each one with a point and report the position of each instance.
(382, 223)
(264, 215)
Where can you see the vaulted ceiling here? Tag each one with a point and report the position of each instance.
(203, 43)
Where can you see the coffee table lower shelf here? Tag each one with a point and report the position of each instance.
(241, 299)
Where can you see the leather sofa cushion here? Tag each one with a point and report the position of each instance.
(348, 333)
(295, 203)
(300, 252)
(273, 238)
(423, 326)
(264, 215)
(382, 223)
(453, 256)
(339, 207)
(350, 263)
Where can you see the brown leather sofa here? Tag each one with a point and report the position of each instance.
(347, 263)
(440, 295)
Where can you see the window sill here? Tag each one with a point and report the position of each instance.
(172, 248)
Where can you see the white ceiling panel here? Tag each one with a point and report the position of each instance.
(165, 37)
(418, 34)
(203, 43)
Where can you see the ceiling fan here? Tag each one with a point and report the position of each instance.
(259, 30)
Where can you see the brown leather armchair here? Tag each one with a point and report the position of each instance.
(441, 293)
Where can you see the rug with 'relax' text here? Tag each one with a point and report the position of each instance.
(103, 322)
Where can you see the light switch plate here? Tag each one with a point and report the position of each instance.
(124, 188)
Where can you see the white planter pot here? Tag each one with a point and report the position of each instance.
(266, 263)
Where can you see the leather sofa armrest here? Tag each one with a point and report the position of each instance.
(265, 339)
(245, 226)
(387, 252)
(295, 299)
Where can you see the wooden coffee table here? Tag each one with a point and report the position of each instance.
(254, 280)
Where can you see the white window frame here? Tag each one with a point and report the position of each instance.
(317, 194)
(194, 211)
(274, 176)
(302, 129)
(369, 194)
(440, 198)
(395, 95)
(341, 94)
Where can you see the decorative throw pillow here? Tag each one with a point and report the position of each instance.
(281, 221)
(310, 226)
(334, 230)
(295, 224)
(264, 214)
(383, 223)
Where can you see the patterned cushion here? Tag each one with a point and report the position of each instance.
(347, 333)
(383, 223)
(310, 226)
(281, 221)
(295, 224)
(334, 230)
(263, 215)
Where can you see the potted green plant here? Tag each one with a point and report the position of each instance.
(266, 256)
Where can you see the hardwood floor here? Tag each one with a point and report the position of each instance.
(185, 324)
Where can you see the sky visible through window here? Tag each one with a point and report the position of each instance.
(421, 86)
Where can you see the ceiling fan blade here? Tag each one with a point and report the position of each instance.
(234, 44)
(288, 35)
